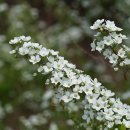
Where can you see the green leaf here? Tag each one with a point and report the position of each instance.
(122, 127)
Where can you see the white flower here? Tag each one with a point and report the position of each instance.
(96, 83)
(51, 59)
(110, 26)
(107, 40)
(66, 83)
(93, 46)
(43, 52)
(113, 59)
(12, 52)
(92, 98)
(100, 116)
(127, 61)
(15, 40)
(47, 69)
(70, 65)
(110, 124)
(121, 53)
(88, 115)
(58, 65)
(126, 123)
(127, 49)
(75, 96)
(97, 24)
(76, 88)
(27, 44)
(117, 38)
(109, 114)
(97, 105)
(54, 52)
(35, 59)
(100, 46)
(116, 68)
(23, 50)
(88, 90)
(66, 98)
(107, 93)
(40, 69)
(25, 38)
(18, 39)
(107, 53)
(122, 36)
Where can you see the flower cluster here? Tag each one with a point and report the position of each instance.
(108, 41)
(44, 116)
(72, 84)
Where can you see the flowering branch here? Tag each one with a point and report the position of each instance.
(108, 41)
(72, 84)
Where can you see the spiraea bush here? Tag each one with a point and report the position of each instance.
(27, 102)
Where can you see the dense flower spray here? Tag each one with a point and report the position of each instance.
(109, 42)
(72, 84)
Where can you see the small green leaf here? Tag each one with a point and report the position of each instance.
(122, 127)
